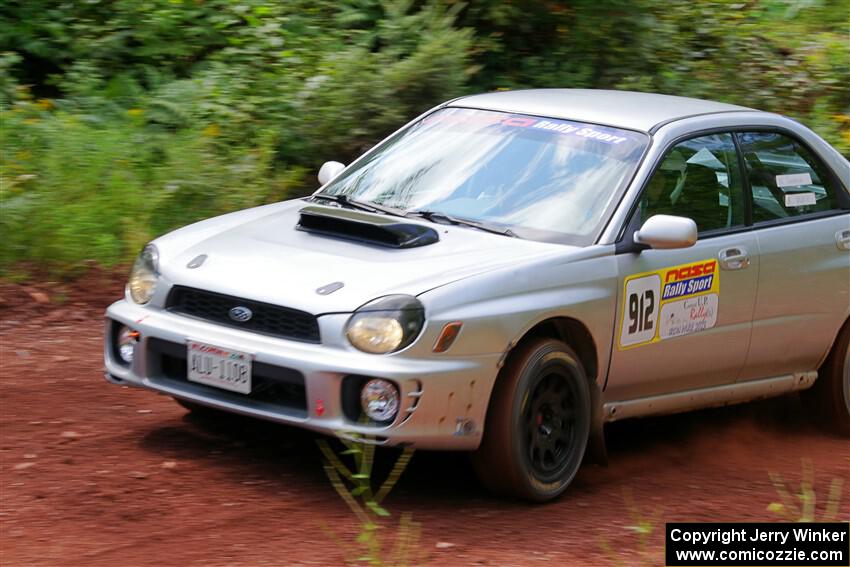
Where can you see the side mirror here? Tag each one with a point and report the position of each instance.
(329, 170)
(665, 232)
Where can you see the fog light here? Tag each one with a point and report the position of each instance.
(126, 342)
(379, 400)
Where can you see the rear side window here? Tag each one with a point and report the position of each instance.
(786, 179)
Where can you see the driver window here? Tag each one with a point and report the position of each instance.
(699, 179)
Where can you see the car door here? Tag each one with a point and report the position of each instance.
(684, 316)
(802, 224)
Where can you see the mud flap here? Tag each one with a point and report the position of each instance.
(596, 452)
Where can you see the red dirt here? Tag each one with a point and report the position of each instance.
(95, 474)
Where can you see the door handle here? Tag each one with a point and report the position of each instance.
(734, 258)
(842, 239)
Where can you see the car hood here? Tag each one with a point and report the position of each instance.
(259, 254)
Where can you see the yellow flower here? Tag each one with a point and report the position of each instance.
(212, 131)
(134, 112)
(45, 103)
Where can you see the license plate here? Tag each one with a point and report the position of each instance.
(220, 367)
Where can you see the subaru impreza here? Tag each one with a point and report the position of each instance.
(507, 273)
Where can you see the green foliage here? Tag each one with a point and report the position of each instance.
(638, 543)
(778, 55)
(354, 486)
(802, 506)
(122, 119)
(79, 186)
(145, 116)
(581, 43)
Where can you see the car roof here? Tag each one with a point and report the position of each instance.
(623, 109)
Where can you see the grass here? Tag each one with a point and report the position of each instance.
(794, 505)
(77, 189)
(378, 544)
(800, 505)
(642, 528)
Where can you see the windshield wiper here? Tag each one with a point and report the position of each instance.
(442, 218)
(433, 216)
(347, 202)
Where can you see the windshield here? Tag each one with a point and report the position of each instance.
(541, 178)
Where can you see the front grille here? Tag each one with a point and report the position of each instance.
(267, 319)
(273, 388)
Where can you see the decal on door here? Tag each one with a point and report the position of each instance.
(670, 302)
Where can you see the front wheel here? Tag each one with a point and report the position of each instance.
(829, 398)
(538, 423)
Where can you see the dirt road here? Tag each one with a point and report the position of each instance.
(95, 474)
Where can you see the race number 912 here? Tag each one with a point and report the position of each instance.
(640, 310)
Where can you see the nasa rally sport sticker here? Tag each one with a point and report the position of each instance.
(670, 302)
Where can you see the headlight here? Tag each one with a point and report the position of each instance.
(144, 274)
(386, 325)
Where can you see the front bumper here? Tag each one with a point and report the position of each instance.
(443, 399)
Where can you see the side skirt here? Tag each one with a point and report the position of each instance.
(708, 397)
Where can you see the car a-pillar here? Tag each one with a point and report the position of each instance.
(544, 409)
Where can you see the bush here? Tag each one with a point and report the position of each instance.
(122, 119)
(122, 156)
(78, 187)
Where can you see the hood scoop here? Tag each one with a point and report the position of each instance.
(366, 228)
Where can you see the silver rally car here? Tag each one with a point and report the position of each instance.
(510, 271)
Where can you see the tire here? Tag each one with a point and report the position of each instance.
(829, 399)
(538, 423)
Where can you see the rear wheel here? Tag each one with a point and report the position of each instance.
(829, 399)
(538, 423)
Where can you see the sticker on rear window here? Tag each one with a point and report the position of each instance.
(670, 302)
(800, 199)
(793, 179)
